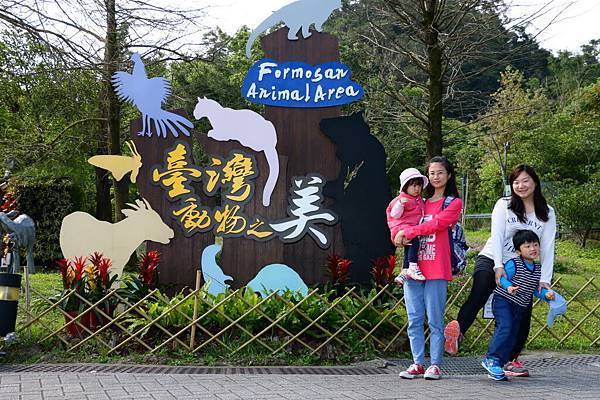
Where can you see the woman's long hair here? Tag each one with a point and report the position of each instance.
(450, 189)
(539, 201)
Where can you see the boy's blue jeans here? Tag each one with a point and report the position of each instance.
(508, 317)
(426, 297)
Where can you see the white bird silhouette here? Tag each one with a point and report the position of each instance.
(148, 95)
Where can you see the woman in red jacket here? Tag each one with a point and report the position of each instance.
(429, 296)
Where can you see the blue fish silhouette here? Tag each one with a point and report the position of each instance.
(148, 95)
(211, 272)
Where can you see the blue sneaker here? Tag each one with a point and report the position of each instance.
(494, 369)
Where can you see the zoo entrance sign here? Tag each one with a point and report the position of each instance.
(300, 85)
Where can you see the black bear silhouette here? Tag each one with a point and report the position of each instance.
(361, 193)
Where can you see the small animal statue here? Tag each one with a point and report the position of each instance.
(21, 230)
(298, 15)
(277, 277)
(148, 95)
(81, 234)
(120, 165)
(211, 272)
(362, 201)
(248, 128)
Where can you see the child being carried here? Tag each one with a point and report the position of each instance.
(404, 211)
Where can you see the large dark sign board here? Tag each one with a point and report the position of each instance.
(304, 152)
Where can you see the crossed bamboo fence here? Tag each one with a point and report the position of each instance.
(376, 320)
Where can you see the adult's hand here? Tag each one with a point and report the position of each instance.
(499, 274)
(399, 239)
(545, 286)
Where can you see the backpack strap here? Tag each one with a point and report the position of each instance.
(447, 201)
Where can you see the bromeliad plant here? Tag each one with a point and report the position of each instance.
(338, 268)
(89, 279)
(136, 288)
(383, 270)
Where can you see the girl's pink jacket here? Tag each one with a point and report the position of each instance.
(434, 251)
(402, 215)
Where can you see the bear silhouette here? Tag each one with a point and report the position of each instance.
(361, 193)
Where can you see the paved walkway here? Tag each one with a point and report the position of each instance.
(568, 382)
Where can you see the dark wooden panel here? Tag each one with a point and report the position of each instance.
(181, 257)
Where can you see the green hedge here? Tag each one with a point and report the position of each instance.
(47, 202)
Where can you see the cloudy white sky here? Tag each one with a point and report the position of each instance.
(576, 25)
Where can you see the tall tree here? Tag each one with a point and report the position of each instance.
(73, 31)
(426, 45)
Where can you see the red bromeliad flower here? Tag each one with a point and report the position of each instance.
(79, 268)
(102, 271)
(338, 268)
(148, 266)
(101, 266)
(64, 265)
(383, 270)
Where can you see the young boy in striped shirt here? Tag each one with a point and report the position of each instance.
(512, 298)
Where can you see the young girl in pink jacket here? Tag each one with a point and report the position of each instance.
(404, 211)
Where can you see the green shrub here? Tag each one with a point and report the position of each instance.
(47, 202)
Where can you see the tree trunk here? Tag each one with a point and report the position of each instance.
(103, 205)
(435, 83)
(113, 109)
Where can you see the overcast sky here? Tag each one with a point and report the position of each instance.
(577, 25)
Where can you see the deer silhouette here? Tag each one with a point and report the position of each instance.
(22, 232)
(148, 95)
(81, 234)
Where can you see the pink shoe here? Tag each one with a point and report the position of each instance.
(412, 372)
(453, 337)
(433, 373)
(515, 368)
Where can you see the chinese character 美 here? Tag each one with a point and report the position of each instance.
(305, 211)
(177, 173)
(193, 218)
(229, 222)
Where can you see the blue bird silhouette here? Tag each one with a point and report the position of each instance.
(148, 95)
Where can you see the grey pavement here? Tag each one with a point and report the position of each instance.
(580, 381)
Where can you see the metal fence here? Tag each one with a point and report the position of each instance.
(320, 322)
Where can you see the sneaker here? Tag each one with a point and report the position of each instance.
(433, 373)
(498, 377)
(453, 337)
(412, 372)
(403, 277)
(492, 366)
(415, 273)
(515, 368)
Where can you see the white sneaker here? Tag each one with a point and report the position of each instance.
(400, 279)
(415, 273)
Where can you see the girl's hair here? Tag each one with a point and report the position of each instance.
(539, 201)
(413, 181)
(450, 189)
